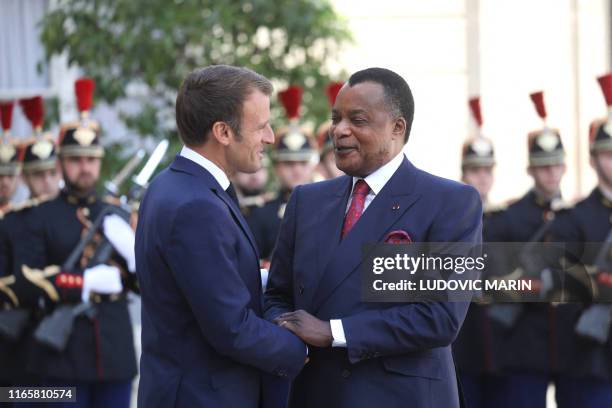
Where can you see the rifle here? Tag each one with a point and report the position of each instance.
(55, 329)
(595, 321)
(530, 264)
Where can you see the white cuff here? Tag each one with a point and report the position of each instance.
(339, 340)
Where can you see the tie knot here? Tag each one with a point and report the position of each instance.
(361, 188)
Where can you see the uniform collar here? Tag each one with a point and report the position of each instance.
(81, 201)
(542, 201)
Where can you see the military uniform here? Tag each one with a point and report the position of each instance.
(99, 357)
(11, 224)
(585, 364)
(264, 221)
(529, 345)
(99, 349)
(15, 226)
(477, 347)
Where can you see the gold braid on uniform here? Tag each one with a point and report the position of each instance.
(39, 278)
(4, 288)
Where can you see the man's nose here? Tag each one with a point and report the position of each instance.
(341, 129)
(268, 136)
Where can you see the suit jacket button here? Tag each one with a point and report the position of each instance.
(301, 289)
(346, 373)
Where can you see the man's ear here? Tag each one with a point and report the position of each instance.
(592, 161)
(221, 132)
(399, 127)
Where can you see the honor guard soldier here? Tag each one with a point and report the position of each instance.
(326, 168)
(40, 157)
(292, 157)
(251, 189)
(478, 345)
(97, 356)
(583, 328)
(529, 346)
(10, 230)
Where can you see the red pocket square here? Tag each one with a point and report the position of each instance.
(398, 237)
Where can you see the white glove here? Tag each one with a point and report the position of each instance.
(264, 278)
(122, 238)
(102, 279)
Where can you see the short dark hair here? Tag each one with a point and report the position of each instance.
(214, 94)
(397, 94)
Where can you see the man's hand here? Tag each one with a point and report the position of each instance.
(307, 327)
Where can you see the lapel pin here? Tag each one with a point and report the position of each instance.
(395, 207)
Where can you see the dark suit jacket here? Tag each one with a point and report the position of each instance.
(203, 341)
(397, 354)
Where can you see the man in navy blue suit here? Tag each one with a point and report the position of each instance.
(204, 343)
(369, 354)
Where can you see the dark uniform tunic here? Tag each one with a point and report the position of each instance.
(528, 346)
(478, 346)
(590, 221)
(100, 348)
(13, 228)
(265, 223)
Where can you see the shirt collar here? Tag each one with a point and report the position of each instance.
(382, 175)
(211, 167)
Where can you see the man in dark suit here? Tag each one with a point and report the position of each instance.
(369, 354)
(204, 343)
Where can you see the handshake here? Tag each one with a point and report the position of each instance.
(311, 330)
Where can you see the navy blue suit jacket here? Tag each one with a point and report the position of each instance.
(397, 354)
(204, 343)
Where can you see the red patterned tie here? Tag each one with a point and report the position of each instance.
(360, 192)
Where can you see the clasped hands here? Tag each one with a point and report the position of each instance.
(311, 330)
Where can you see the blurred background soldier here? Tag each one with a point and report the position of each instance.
(10, 227)
(251, 189)
(477, 348)
(40, 159)
(326, 168)
(583, 329)
(528, 346)
(10, 160)
(293, 157)
(99, 356)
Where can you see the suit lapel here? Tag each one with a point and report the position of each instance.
(238, 217)
(386, 209)
(330, 217)
(187, 166)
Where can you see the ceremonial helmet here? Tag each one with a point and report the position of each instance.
(39, 151)
(293, 143)
(600, 130)
(477, 151)
(10, 152)
(544, 145)
(82, 138)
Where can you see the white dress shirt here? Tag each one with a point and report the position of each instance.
(376, 181)
(211, 167)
